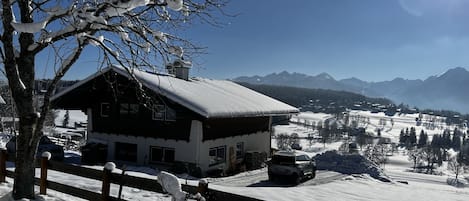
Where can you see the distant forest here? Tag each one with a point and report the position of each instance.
(320, 98)
(330, 101)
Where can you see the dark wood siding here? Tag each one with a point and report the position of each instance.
(226, 127)
(116, 90)
(140, 125)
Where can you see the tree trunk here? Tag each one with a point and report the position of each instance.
(26, 146)
(28, 137)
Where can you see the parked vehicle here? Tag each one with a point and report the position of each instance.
(292, 165)
(296, 146)
(45, 144)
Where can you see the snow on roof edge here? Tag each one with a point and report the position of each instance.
(78, 84)
(190, 105)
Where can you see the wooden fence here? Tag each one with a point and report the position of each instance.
(107, 177)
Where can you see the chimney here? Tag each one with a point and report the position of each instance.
(180, 69)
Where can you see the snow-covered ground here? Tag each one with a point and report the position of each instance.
(75, 116)
(326, 186)
(391, 126)
(335, 186)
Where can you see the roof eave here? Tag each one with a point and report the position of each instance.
(241, 115)
(73, 87)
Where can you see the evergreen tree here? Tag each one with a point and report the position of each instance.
(66, 119)
(446, 141)
(465, 152)
(407, 137)
(436, 141)
(456, 140)
(423, 138)
(412, 137)
(456, 143)
(402, 137)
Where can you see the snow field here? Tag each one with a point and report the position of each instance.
(326, 186)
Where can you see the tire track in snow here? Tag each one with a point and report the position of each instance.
(260, 179)
(417, 178)
(323, 177)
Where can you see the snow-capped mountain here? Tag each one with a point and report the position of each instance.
(321, 81)
(446, 91)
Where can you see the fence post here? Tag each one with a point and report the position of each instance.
(202, 188)
(3, 166)
(107, 180)
(45, 157)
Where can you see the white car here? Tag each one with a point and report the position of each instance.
(294, 166)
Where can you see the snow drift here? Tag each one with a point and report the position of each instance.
(349, 164)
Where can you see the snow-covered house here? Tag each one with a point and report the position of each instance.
(205, 122)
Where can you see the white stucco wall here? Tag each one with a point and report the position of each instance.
(195, 151)
(184, 151)
(259, 141)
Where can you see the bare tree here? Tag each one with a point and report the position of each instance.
(283, 140)
(415, 156)
(294, 139)
(134, 34)
(376, 154)
(431, 156)
(455, 167)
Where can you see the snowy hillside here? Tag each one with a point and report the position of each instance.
(392, 126)
(327, 185)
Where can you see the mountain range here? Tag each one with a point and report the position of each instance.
(448, 91)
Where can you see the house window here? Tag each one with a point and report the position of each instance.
(170, 114)
(128, 109)
(217, 155)
(239, 150)
(163, 113)
(105, 109)
(159, 112)
(162, 154)
(125, 152)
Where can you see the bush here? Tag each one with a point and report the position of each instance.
(179, 168)
(189, 168)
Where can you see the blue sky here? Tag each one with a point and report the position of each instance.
(373, 40)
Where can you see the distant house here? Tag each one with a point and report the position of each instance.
(204, 122)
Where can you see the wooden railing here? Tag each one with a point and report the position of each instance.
(107, 177)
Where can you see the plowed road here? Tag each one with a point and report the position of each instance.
(259, 178)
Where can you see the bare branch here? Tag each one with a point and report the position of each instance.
(65, 66)
(7, 39)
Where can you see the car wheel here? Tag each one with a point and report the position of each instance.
(313, 174)
(296, 179)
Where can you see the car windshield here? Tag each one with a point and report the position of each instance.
(302, 158)
(279, 159)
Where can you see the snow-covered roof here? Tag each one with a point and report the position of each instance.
(292, 153)
(207, 97)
